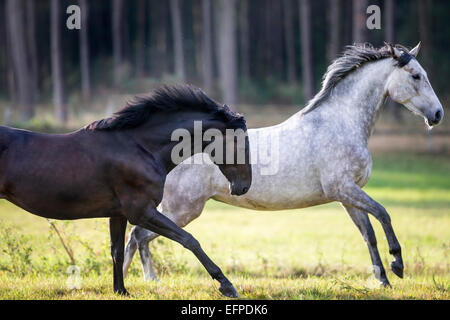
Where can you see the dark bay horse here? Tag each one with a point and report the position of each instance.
(117, 167)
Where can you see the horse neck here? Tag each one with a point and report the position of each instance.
(6, 134)
(158, 138)
(357, 99)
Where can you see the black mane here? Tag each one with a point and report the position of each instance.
(166, 99)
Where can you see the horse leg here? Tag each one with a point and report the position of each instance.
(139, 239)
(155, 221)
(130, 250)
(117, 227)
(143, 240)
(147, 263)
(361, 220)
(352, 195)
(186, 210)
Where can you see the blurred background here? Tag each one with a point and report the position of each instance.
(264, 58)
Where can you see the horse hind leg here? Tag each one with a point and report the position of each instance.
(352, 195)
(139, 239)
(130, 250)
(155, 221)
(147, 263)
(361, 220)
(144, 237)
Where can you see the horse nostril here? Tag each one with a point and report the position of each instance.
(437, 116)
(245, 190)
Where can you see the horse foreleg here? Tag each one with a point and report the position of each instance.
(361, 220)
(352, 195)
(155, 221)
(117, 227)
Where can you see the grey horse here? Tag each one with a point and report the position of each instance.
(324, 156)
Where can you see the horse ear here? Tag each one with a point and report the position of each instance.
(393, 50)
(414, 51)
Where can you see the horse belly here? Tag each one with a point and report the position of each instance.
(65, 204)
(64, 191)
(277, 193)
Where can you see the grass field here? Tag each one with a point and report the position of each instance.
(314, 253)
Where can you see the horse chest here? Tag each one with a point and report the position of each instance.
(363, 177)
(298, 189)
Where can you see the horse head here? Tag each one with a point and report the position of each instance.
(408, 84)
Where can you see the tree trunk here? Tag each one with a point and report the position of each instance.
(227, 51)
(84, 51)
(306, 45)
(389, 15)
(9, 67)
(32, 50)
(266, 30)
(18, 50)
(177, 39)
(126, 46)
(275, 33)
(423, 8)
(117, 39)
(158, 30)
(3, 54)
(198, 37)
(334, 29)
(140, 41)
(57, 65)
(290, 41)
(347, 21)
(244, 38)
(424, 32)
(257, 38)
(389, 35)
(207, 52)
(359, 20)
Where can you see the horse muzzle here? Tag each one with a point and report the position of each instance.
(238, 190)
(435, 117)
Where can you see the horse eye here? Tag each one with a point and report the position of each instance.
(416, 76)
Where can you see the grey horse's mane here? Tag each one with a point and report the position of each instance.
(353, 58)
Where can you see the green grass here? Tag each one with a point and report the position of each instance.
(313, 253)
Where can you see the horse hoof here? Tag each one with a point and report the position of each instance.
(228, 290)
(151, 279)
(397, 268)
(123, 292)
(385, 284)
